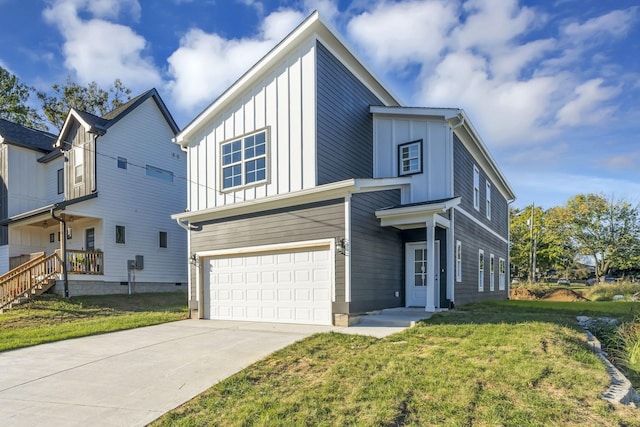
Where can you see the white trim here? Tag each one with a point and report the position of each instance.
(458, 261)
(481, 269)
(446, 113)
(492, 272)
(347, 254)
(316, 194)
(478, 222)
(501, 274)
(476, 188)
(268, 248)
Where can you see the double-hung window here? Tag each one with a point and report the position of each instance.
(480, 270)
(488, 200)
(410, 158)
(244, 160)
(458, 261)
(476, 188)
(78, 165)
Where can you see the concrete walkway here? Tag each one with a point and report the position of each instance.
(132, 377)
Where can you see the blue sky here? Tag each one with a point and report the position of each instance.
(553, 87)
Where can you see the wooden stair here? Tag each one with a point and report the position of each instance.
(30, 279)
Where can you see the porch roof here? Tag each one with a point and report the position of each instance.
(414, 215)
(46, 209)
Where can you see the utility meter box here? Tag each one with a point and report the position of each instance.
(139, 262)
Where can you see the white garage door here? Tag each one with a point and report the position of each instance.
(292, 286)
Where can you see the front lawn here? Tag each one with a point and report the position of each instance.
(508, 363)
(51, 318)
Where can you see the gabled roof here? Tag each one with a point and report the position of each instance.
(312, 27)
(22, 136)
(100, 125)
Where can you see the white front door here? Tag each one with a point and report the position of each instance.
(416, 274)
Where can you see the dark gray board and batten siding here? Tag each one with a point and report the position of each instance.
(377, 254)
(344, 123)
(321, 220)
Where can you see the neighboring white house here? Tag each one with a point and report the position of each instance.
(101, 192)
(314, 196)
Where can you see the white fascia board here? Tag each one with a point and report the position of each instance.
(75, 115)
(316, 194)
(417, 210)
(446, 113)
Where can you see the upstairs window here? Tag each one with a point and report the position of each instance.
(60, 181)
(476, 188)
(488, 200)
(163, 239)
(122, 163)
(159, 173)
(410, 158)
(244, 160)
(78, 165)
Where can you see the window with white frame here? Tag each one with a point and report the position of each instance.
(480, 270)
(458, 261)
(492, 270)
(476, 188)
(244, 160)
(501, 274)
(78, 165)
(410, 158)
(488, 200)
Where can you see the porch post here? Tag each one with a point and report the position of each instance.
(431, 259)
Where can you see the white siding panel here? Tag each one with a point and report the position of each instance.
(295, 125)
(282, 137)
(435, 181)
(25, 181)
(284, 103)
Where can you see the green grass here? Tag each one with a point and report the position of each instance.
(521, 363)
(51, 318)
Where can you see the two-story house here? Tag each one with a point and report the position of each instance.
(314, 196)
(99, 197)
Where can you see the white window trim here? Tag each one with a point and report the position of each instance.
(488, 200)
(476, 188)
(501, 274)
(417, 143)
(481, 261)
(242, 162)
(458, 261)
(492, 273)
(78, 165)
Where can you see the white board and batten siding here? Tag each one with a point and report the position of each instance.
(142, 204)
(284, 286)
(26, 183)
(283, 102)
(436, 180)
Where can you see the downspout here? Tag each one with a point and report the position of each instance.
(63, 238)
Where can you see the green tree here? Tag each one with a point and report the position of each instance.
(91, 99)
(14, 98)
(604, 229)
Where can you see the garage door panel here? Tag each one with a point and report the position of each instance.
(292, 286)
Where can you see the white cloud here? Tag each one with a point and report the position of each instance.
(396, 34)
(587, 106)
(613, 24)
(328, 9)
(206, 64)
(99, 50)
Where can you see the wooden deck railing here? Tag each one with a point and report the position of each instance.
(31, 278)
(85, 262)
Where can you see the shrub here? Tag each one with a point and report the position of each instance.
(606, 291)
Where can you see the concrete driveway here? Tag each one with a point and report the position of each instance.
(132, 377)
